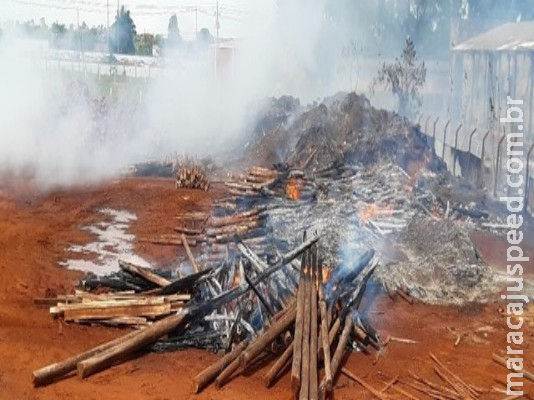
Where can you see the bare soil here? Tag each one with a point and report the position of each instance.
(36, 229)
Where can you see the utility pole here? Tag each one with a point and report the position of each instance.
(109, 44)
(79, 39)
(217, 38)
(117, 27)
(217, 23)
(117, 23)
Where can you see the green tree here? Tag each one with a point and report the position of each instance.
(144, 44)
(204, 38)
(404, 78)
(58, 32)
(174, 38)
(123, 33)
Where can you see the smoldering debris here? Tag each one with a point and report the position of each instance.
(443, 266)
(344, 128)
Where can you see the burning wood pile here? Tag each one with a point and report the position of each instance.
(229, 304)
(246, 308)
(310, 334)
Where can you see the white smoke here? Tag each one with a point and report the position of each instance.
(50, 129)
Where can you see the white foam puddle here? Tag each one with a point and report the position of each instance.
(112, 243)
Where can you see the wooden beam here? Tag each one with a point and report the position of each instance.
(275, 330)
(189, 254)
(48, 374)
(208, 375)
(297, 342)
(145, 273)
(142, 338)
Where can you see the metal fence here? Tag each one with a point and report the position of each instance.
(479, 156)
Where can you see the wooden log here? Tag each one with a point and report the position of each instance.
(52, 301)
(231, 229)
(133, 321)
(338, 354)
(122, 349)
(331, 337)
(313, 392)
(96, 313)
(275, 330)
(324, 334)
(193, 216)
(236, 219)
(186, 283)
(243, 186)
(91, 305)
(188, 231)
(263, 172)
(207, 376)
(501, 360)
(167, 241)
(144, 273)
(297, 342)
(364, 338)
(227, 373)
(305, 366)
(189, 254)
(48, 374)
(246, 193)
(258, 179)
(278, 366)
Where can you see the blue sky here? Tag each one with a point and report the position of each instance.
(149, 15)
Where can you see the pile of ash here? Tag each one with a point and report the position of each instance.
(443, 265)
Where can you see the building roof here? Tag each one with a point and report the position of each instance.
(513, 36)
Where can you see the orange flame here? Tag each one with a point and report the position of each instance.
(370, 211)
(327, 273)
(237, 281)
(293, 188)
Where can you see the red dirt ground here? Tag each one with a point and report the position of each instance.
(34, 232)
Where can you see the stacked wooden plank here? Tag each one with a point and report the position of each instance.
(249, 225)
(190, 224)
(125, 307)
(191, 177)
(257, 179)
(116, 309)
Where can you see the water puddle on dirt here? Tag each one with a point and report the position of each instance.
(112, 243)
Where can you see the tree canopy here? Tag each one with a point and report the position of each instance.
(123, 33)
(174, 38)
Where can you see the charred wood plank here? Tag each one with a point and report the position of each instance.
(187, 283)
(144, 273)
